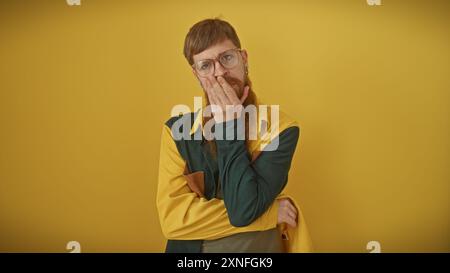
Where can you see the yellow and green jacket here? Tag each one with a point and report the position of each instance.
(251, 180)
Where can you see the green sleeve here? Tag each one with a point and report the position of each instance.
(250, 188)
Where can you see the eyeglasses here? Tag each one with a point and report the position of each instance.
(228, 59)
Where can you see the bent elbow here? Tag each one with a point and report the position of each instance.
(165, 229)
(239, 219)
(168, 231)
(166, 222)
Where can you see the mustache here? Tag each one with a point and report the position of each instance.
(232, 80)
(237, 84)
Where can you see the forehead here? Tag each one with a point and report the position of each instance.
(213, 51)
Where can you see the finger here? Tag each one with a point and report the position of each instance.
(218, 91)
(292, 215)
(292, 209)
(245, 95)
(291, 222)
(216, 107)
(290, 205)
(229, 91)
(210, 93)
(291, 212)
(284, 202)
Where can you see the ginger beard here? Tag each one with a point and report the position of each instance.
(237, 85)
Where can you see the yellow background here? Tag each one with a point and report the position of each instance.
(84, 91)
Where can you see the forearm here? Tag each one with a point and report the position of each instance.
(185, 216)
(250, 188)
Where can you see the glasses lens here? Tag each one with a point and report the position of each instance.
(204, 67)
(229, 59)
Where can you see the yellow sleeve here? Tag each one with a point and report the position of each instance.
(185, 216)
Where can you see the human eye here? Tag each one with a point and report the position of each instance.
(227, 57)
(203, 65)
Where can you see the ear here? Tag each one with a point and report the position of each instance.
(244, 56)
(195, 74)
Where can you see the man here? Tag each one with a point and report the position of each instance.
(222, 194)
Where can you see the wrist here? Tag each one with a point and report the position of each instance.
(231, 130)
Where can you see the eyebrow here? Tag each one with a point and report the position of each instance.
(202, 59)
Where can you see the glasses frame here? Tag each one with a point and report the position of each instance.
(217, 59)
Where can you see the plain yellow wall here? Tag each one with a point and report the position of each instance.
(85, 90)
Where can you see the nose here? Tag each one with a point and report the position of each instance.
(219, 70)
